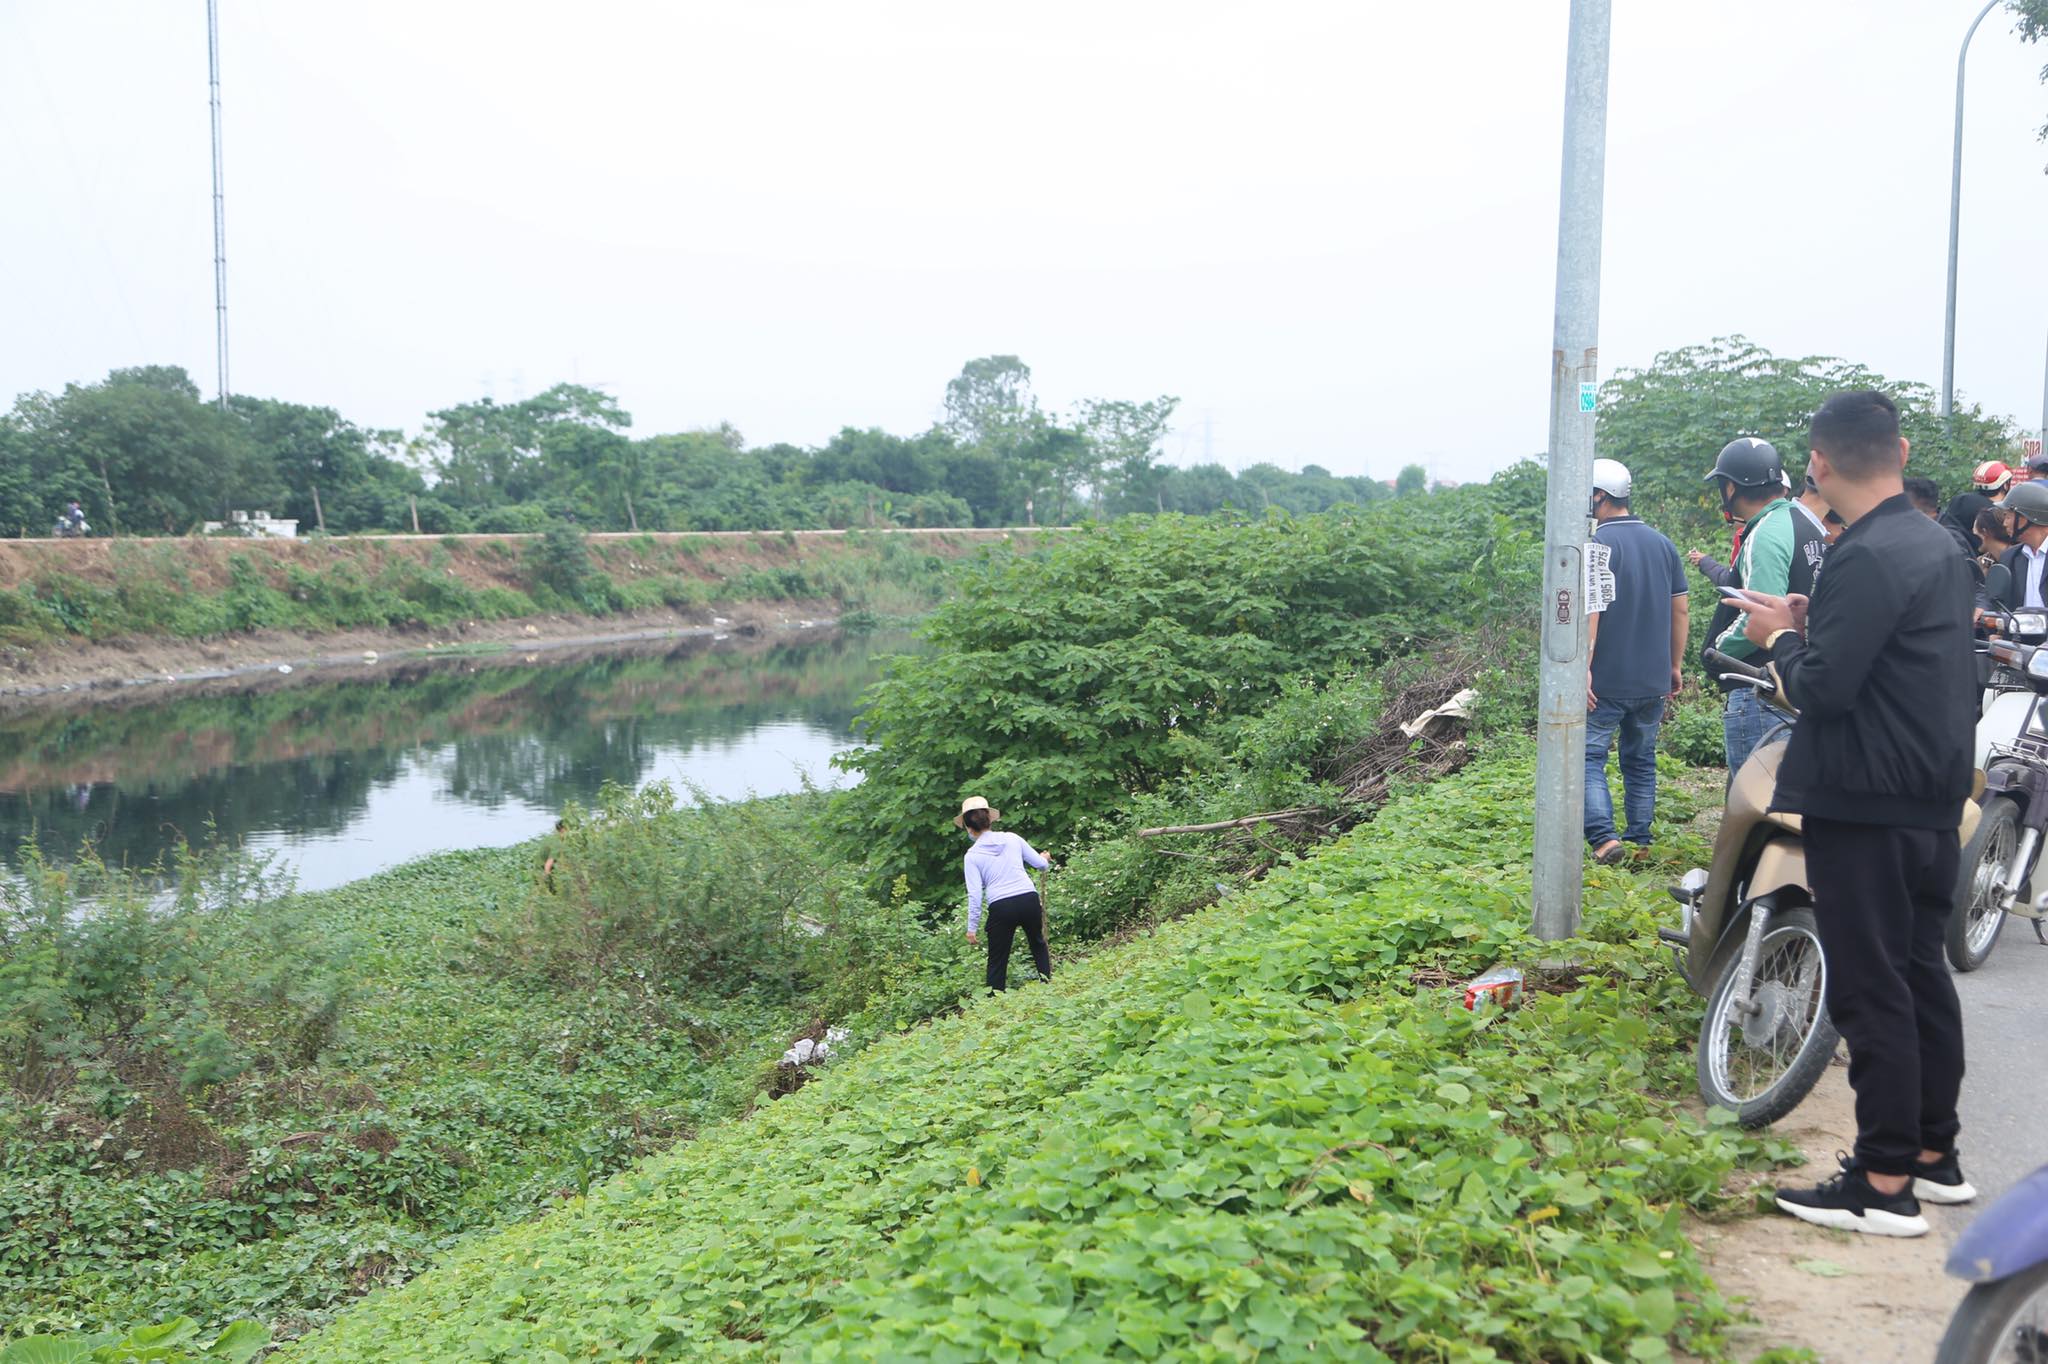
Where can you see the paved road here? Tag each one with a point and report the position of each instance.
(2005, 1037)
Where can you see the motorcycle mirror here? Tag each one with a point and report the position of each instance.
(1998, 584)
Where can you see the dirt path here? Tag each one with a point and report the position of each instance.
(1850, 1299)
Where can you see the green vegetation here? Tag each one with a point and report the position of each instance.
(1071, 681)
(199, 589)
(507, 1036)
(145, 456)
(1247, 1134)
(1667, 422)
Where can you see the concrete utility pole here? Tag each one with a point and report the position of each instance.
(1955, 218)
(1574, 393)
(220, 249)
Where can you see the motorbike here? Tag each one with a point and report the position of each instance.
(71, 530)
(1747, 942)
(2003, 1255)
(1996, 871)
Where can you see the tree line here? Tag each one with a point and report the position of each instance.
(145, 455)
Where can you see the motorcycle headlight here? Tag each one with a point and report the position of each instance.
(2037, 664)
(2030, 624)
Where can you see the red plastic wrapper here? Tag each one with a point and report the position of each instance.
(1501, 986)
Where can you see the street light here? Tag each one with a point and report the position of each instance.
(1955, 213)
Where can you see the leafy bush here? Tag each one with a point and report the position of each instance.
(1693, 733)
(559, 561)
(721, 893)
(1059, 685)
(108, 986)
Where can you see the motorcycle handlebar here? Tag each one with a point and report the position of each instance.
(1722, 663)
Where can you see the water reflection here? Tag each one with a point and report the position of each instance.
(345, 778)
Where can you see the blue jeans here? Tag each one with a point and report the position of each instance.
(1742, 727)
(1637, 720)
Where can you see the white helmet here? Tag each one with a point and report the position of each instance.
(1611, 476)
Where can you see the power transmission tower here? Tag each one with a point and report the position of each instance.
(220, 249)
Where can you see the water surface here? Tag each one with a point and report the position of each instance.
(342, 778)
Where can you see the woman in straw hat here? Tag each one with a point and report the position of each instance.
(996, 877)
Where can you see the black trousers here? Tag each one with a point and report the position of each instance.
(1005, 917)
(1881, 898)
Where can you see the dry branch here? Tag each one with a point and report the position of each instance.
(1219, 825)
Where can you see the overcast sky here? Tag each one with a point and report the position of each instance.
(1329, 228)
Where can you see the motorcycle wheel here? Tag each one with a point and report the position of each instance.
(1974, 923)
(2000, 1323)
(1762, 1066)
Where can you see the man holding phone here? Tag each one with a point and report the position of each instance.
(1878, 769)
(1780, 550)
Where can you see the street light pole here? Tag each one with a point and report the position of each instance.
(1574, 379)
(1955, 218)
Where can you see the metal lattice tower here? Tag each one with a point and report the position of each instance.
(220, 249)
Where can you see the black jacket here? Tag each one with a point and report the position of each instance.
(2015, 561)
(1885, 680)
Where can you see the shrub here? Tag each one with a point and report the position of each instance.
(1064, 682)
(1693, 733)
(251, 602)
(559, 562)
(718, 893)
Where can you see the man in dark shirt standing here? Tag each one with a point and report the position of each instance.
(1638, 650)
(1878, 767)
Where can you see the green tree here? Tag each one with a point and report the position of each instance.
(990, 407)
(361, 485)
(152, 457)
(1412, 481)
(1666, 422)
(1124, 437)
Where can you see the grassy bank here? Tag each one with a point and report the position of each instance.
(247, 1108)
(87, 590)
(1257, 1132)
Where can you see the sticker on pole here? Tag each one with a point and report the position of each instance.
(1589, 396)
(1599, 578)
(1564, 586)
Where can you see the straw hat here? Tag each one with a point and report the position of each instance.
(975, 803)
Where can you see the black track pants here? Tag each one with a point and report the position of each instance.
(1005, 917)
(1881, 898)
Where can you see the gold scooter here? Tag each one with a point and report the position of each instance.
(1746, 938)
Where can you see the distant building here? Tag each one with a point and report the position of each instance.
(256, 525)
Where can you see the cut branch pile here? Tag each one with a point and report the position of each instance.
(1364, 773)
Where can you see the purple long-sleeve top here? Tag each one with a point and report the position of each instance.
(994, 868)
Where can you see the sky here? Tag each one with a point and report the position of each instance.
(1328, 228)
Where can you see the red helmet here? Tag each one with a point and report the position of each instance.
(1991, 476)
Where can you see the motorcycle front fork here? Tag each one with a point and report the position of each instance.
(1752, 943)
(2015, 874)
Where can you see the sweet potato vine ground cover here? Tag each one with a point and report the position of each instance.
(1244, 1136)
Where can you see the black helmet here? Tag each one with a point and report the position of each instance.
(1748, 463)
(2029, 500)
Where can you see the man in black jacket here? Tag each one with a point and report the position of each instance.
(1879, 767)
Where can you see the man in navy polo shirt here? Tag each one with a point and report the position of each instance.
(1638, 653)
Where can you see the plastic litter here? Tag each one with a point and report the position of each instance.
(1501, 986)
